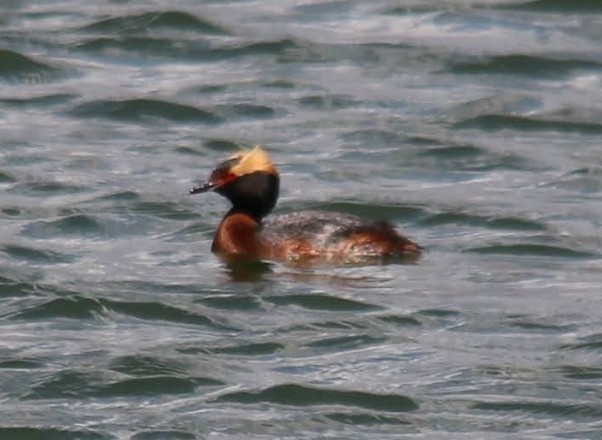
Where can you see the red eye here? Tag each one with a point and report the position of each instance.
(222, 176)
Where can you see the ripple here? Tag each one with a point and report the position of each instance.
(501, 103)
(163, 435)
(46, 189)
(376, 211)
(439, 313)
(138, 365)
(475, 220)
(79, 384)
(232, 302)
(505, 372)
(15, 67)
(163, 209)
(591, 342)
(369, 137)
(161, 49)
(161, 312)
(346, 342)
(538, 250)
(466, 157)
(321, 302)
(532, 325)
(51, 433)
(327, 102)
(21, 364)
(555, 6)
(222, 145)
(270, 47)
(357, 418)
(10, 287)
(301, 395)
(78, 224)
(139, 109)
(148, 386)
(344, 325)
(124, 221)
(6, 177)
(280, 84)
(412, 9)
(546, 408)
(79, 307)
(244, 349)
(518, 64)
(74, 307)
(246, 111)
(150, 22)
(580, 434)
(495, 122)
(434, 147)
(400, 320)
(148, 287)
(211, 89)
(11, 212)
(126, 46)
(586, 180)
(119, 196)
(39, 101)
(188, 151)
(37, 256)
(254, 349)
(66, 384)
(580, 372)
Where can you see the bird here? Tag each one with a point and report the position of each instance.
(251, 182)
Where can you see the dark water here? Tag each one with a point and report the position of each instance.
(475, 126)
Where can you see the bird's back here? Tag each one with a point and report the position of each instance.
(334, 237)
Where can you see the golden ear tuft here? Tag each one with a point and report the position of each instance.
(252, 161)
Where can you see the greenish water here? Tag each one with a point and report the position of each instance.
(474, 126)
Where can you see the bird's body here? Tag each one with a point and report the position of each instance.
(250, 181)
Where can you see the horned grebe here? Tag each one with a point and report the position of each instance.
(251, 183)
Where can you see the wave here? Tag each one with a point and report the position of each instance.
(36, 256)
(76, 224)
(591, 342)
(39, 101)
(465, 157)
(140, 108)
(554, 6)
(489, 222)
(321, 302)
(244, 349)
(82, 384)
(150, 22)
(245, 111)
(495, 122)
(536, 250)
(302, 395)
(50, 432)
(84, 308)
(518, 64)
(546, 408)
(198, 50)
(16, 67)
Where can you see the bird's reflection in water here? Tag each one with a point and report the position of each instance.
(240, 270)
(244, 270)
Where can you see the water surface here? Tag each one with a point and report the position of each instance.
(474, 126)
